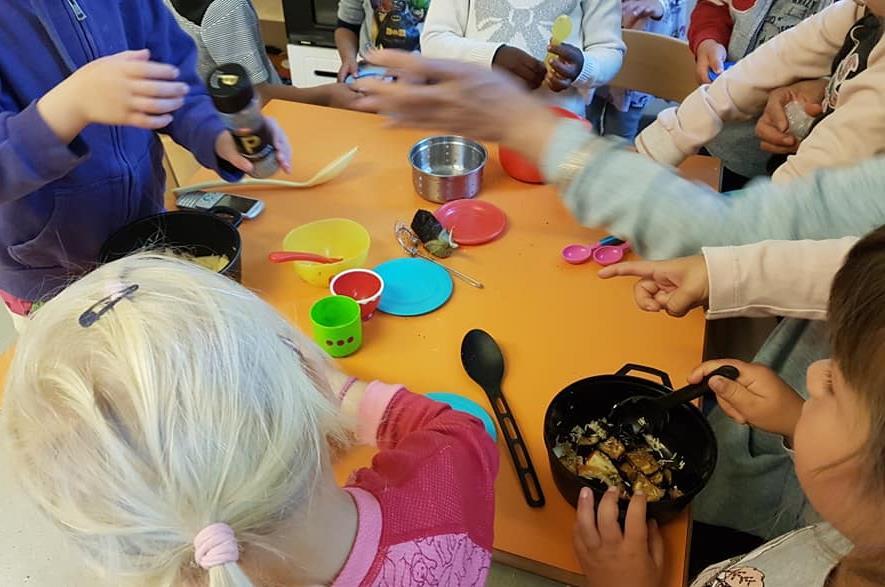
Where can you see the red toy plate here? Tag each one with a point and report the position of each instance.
(472, 222)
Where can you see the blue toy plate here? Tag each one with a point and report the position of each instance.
(468, 406)
(413, 287)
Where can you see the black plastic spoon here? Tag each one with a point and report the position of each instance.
(641, 414)
(484, 363)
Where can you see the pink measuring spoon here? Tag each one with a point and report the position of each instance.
(577, 254)
(286, 256)
(610, 254)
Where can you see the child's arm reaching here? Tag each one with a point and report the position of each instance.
(196, 125)
(803, 52)
(709, 33)
(770, 278)
(41, 144)
(351, 15)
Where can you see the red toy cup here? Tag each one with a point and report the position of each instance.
(362, 285)
(520, 168)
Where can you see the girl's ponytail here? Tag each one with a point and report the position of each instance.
(217, 551)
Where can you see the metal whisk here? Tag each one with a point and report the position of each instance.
(410, 243)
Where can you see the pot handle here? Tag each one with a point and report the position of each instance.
(228, 214)
(665, 379)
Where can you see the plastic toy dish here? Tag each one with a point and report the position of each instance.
(363, 285)
(413, 287)
(468, 406)
(472, 222)
(333, 237)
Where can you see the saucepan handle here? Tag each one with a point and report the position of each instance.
(228, 214)
(665, 379)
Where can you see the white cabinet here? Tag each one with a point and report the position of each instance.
(312, 66)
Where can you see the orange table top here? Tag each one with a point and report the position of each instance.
(556, 323)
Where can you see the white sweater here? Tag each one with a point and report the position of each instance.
(473, 30)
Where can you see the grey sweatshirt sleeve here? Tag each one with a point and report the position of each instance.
(665, 216)
(351, 11)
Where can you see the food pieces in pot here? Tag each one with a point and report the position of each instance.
(613, 448)
(644, 460)
(215, 263)
(596, 451)
(643, 485)
(598, 466)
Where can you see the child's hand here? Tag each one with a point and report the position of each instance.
(634, 11)
(773, 128)
(634, 557)
(566, 68)
(226, 149)
(759, 397)
(348, 67)
(674, 286)
(710, 57)
(521, 64)
(127, 89)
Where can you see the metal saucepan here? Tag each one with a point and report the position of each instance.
(447, 168)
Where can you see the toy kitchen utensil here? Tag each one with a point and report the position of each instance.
(577, 254)
(562, 28)
(639, 414)
(472, 222)
(286, 256)
(409, 242)
(413, 287)
(610, 254)
(326, 174)
(484, 363)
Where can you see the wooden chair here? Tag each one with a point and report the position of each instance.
(658, 65)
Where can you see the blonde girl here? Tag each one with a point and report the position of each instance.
(181, 432)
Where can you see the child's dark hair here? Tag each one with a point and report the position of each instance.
(857, 322)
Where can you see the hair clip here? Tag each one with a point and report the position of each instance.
(104, 305)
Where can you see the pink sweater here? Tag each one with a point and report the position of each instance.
(427, 504)
(854, 131)
(774, 278)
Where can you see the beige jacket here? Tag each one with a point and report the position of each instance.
(774, 278)
(854, 131)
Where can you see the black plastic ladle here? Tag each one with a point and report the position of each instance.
(484, 363)
(642, 414)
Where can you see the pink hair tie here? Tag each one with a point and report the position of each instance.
(216, 545)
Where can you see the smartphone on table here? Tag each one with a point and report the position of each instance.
(197, 200)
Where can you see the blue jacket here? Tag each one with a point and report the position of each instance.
(59, 203)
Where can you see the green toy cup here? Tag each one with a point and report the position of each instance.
(337, 326)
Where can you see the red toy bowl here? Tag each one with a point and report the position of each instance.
(362, 285)
(518, 167)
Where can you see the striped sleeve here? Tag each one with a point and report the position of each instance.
(231, 35)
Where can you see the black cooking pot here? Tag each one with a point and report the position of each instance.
(687, 434)
(192, 232)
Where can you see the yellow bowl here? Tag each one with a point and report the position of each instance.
(332, 237)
